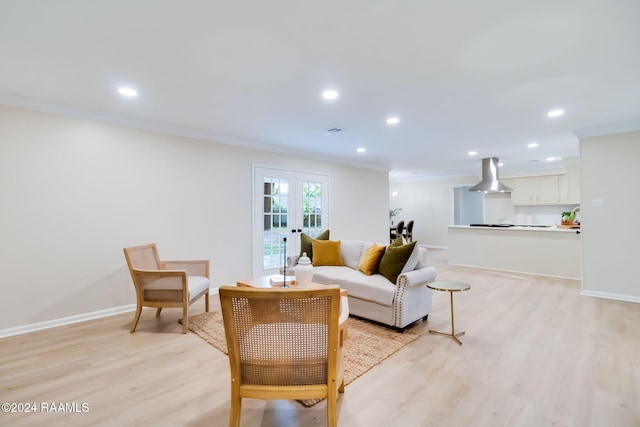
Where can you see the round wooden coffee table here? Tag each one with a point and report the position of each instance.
(450, 286)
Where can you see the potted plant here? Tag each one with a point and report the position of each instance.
(568, 218)
(394, 212)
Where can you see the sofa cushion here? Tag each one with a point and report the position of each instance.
(306, 242)
(375, 288)
(325, 274)
(326, 252)
(394, 260)
(371, 259)
(351, 252)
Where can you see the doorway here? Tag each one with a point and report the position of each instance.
(286, 203)
(468, 206)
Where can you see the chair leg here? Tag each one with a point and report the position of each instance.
(332, 411)
(341, 388)
(134, 323)
(158, 311)
(185, 318)
(206, 301)
(236, 408)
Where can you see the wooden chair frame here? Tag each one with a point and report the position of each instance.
(177, 272)
(335, 369)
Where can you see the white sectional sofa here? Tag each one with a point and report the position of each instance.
(374, 297)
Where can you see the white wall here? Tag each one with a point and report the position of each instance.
(610, 236)
(75, 192)
(429, 203)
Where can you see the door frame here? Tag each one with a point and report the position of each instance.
(294, 221)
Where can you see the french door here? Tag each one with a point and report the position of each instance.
(286, 203)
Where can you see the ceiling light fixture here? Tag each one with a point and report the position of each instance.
(472, 153)
(361, 150)
(533, 145)
(127, 91)
(330, 94)
(553, 159)
(393, 121)
(555, 113)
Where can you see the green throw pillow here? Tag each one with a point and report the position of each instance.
(398, 242)
(394, 259)
(306, 240)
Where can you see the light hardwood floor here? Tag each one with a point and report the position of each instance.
(535, 353)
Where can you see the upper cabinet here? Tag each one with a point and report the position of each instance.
(569, 186)
(538, 190)
(546, 190)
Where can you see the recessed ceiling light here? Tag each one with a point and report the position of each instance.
(127, 91)
(555, 113)
(472, 153)
(330, 94)
(533, 145)
(500, 164)
(361, 150)
(393, 121)
(553, 159)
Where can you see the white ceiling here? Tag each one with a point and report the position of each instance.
(461, 75)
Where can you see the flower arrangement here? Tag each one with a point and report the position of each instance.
(394, 212)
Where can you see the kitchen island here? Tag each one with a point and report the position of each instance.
(548, 251)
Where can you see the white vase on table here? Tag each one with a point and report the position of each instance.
(304, 270)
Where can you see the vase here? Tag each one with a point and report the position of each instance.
(304, 270)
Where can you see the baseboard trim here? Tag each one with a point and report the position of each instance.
(608, 295)
(25, 329)
(18, 330)
(514, 271)
(434, 247)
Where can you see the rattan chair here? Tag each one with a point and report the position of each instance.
(163, 284)
(283, 344)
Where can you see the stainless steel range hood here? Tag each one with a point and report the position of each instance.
(490, 183)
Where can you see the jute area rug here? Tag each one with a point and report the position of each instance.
(366, 346)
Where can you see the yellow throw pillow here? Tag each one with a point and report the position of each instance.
(326, 252)
(371, 259)
(305, 242)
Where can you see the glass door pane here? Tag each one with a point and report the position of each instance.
(275, 211)
(314, 204)
(286, 204)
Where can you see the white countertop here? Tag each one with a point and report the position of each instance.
(552, 228)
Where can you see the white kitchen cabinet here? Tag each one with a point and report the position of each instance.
(569, 186)
(535, 190)
(522, 193)
(546, 189)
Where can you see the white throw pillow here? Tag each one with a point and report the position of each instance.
(351, 251)
(412, 262)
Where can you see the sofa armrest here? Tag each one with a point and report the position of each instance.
(413, 299)
(292, 260)
(419, 277)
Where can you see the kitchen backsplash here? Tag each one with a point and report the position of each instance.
(499, 207)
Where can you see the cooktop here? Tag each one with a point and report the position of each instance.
(509, 225)
(491, 225)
